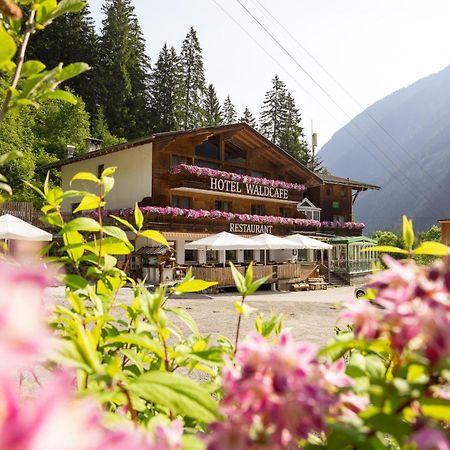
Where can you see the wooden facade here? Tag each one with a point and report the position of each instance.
(177, 177)
(445, 231)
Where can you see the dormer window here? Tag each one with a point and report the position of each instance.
(308, 210)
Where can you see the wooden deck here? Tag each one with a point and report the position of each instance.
(280, 272)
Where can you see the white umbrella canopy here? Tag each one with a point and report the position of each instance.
(12, 227)
(221, 241)
(268, 241)
(305, 242)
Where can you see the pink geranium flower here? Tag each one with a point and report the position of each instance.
(25, 336)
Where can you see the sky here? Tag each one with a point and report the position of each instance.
(370, 47)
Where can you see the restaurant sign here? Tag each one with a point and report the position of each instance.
(219, 184)
(253, 228)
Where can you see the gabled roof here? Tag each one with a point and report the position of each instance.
(357, 185)
(242, 131)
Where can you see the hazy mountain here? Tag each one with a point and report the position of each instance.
(413, 169)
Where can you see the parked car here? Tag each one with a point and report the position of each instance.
(361, 291)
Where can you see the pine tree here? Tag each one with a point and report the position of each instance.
(193, 81)
(165, 91)
(125, 71)
(248, 118)
(291, 138)
(101, 131)
(72, 38)
(212, 109)
(229, 112)
(273, 111)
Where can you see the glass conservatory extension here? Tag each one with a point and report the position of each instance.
(349, 257)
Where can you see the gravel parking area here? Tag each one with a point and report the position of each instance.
(311, 316)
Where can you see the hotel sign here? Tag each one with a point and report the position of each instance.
(219, 184)
(253, 228)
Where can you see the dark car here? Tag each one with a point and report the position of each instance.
(361, 291)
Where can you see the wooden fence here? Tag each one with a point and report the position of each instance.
(22, 210)
(279, 272)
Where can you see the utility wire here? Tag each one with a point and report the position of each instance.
(322, 89)
(393, 175)
(365, 111)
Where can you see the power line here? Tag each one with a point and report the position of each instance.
(283, 48)
(365, 111)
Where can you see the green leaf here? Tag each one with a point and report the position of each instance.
(191, 442)
(54, 196)
(437, 408)
(74, 243)
(408, 232)
(59, 94)
(117, 233)
(86, 176)
(180, 394)
(89, 201)
(391, 424)
(7, 48)
(32, 67)
(386, 249)
(124, 222)
(108, 183)
(75, 282)
(155, 236)
(82, 224)
(5, 158)
(375, 367)
(193, 285)
(249, 275)
(432, 248)
(243, 308)
(141, 341)
(109, 171)
(257, 284)
(72, 70)
(239, 280)
(109, 245)
(138, 217)
(185, 317)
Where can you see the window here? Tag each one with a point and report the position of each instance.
(255, 173)
(234, 154)
(342, 193)
(190, 256)
(212, 256)
(176, 160)
(285, 212)
(308, 210)
(209, 149)
(329, 191)
(181, 202)
(239, 170)
(203, 163)
(248, 255)
(335, 205)
(221, 205)
(100, 170)
(259, 210)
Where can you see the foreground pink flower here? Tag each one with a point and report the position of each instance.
(24, 333)
(416, 308)
(276, 395)
(430, 439)
(57, 419)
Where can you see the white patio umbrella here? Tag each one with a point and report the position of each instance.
(12, 227)
(221, 241)
(308, 243)
(268, 241)
(305, 242)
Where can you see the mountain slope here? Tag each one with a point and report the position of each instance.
(414, 169)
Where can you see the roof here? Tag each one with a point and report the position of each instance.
(241, 127)
(359, 185)
(443, 220)
(353, 240)
(152, 251)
